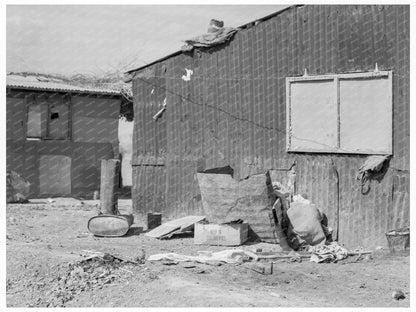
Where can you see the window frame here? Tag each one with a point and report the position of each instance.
(34, 98)
(336, 78)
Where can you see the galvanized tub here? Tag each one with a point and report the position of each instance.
(110, 225)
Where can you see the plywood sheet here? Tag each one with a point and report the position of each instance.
(34, 121)
(181, 224)
(313, 116)
(366, 115)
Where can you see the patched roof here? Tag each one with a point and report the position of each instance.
(247, 25)
(39, 82)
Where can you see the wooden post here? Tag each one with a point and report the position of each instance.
(109, 184)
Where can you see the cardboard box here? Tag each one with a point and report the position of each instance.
(221, 234)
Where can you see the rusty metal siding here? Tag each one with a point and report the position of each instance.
(149, 93)
(363, 218)
(149, 192)
(149, 152)
(233, 112)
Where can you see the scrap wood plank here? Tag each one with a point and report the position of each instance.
(174, 226)
(357, 253)
(92, 254)
(277, 255)
(283, 256)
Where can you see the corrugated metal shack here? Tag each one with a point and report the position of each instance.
(57, 134)
(233, 111)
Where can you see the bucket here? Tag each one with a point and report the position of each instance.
(398, 240)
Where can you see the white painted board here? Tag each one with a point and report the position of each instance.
(313, 116)
(366, 115)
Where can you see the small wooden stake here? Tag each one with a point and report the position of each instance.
(109, 184)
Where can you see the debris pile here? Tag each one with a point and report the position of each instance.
(90, 273)
(299, 223)
(398, 295)
(269, 209)
(17, 188)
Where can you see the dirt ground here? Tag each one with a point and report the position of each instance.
(46, 243)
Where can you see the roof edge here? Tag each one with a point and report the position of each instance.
(27, 88)
(245, 26)
(156, 61)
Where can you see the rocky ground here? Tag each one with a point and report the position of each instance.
(52, 260)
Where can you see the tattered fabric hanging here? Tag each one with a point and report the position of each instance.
(371, 166)
(217, 34)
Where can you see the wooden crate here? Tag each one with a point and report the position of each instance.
(221, 234)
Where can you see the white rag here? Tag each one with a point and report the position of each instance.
(227, 256)
(328, 253)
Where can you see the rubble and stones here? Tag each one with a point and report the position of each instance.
(84, 275)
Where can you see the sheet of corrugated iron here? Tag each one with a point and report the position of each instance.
(148, 194)
(362, 219)
(366, 215)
